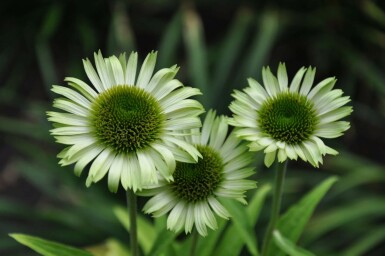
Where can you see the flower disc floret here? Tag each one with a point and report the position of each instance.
(126, 118)
(197, 181)
(288, 117)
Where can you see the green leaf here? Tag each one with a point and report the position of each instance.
(228, 243)
(146, 232)
(48, 248)
(243, 225)
(288, 247)
(293, 222)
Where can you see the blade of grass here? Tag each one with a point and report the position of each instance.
(368, 241)
(366, 207)
(196, 53)
(170, 41)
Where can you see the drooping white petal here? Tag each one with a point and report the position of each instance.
(218, 208)
(177, 217)
(147, 167)
(115, 173)
(269, 158)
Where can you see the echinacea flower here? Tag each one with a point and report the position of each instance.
(125, 125)
(194, 195)
(289, 121)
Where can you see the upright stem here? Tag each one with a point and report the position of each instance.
(194, 242)
(277, 196)
(131, 205)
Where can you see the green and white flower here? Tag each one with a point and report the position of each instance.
(289, 121)
(192, 198)
(125, 125)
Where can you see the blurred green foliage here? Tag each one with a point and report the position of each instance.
(218, 44)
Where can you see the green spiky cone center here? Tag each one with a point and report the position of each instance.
(195, 182)
(126, 118)
(288, 117)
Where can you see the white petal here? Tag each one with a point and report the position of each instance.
(70, 107)
(269, 158)
(270, 82)
(199, 221)
(131, 68)
(219, 133)
(322, 87)
(335, 115)
(134, 180)
(294, 85)
(258, 93)
(115, 172)
(92, 152)
(282, 155)
(146, 70)
(70, 130)
(191, 150)
(92, 75)
(67, 119)
(282, 77)
(72, 95)
(101, 165)
(167, 88)
(183, 123)
(161, 78)
(178, 96)
(82, 87)
(177, 217)
(158, 202)
(147, 168)
(307, 81)
(218, 208)
(290, 152)
(117, 70)
(161, 165)
(102, 71)
(167, 155)
(189, 218)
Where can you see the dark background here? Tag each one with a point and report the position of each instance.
(217, 44)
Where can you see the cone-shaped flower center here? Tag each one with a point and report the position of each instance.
(126, 118)
(198, 181)
(288, 117)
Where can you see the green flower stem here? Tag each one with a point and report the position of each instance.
(194, 242)
(277, 196)
(132, 211)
